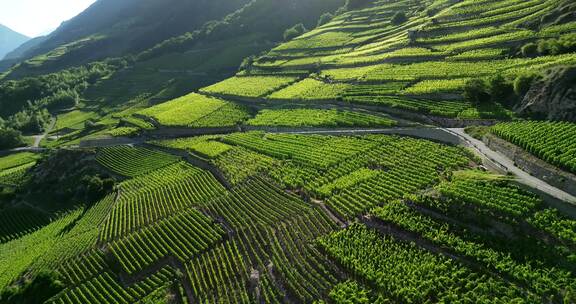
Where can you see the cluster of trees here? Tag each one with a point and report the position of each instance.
(35, 291)
(10, 138)
(562, 45)
(24, 103)
(505, 91)
(96, 187)
(32, 121)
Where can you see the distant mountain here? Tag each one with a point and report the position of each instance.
(24, 47)
(9, 40)
(111, 28)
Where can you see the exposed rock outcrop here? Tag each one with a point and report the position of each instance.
(553, 97)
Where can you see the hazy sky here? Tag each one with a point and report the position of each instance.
(39, 17)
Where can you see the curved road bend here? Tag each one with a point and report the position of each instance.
(508, 164)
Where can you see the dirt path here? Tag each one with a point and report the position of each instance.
(38, 138)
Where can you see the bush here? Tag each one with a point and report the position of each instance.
(63, 99)
(529, 50)
(325, 18)
(96, 187)
(476, 91)
(564, 44)
(399, 18)
(522, 84)
(247, 64)
(10, 139)
(501, 89)
(294, 31)
(44, 286)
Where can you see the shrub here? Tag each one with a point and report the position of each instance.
(44, 286)
(476, 91)
(500, 89)
(325, 18)
(529, 50)
(294, 31)
(399, 18)
(10, 139)
(522, 83)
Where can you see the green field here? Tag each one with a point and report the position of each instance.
(317, 118)
(197, 111)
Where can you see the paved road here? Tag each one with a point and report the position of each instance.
(507, 164)
(449, 135)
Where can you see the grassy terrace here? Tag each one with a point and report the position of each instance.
(377, 62)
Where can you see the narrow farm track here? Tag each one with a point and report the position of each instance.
(507, 165)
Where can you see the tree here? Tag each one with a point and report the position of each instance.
(325, 18)
(44, 286)
(501, 89)
(294, 31)
(476, 91)
(10, 139)
(399, 18)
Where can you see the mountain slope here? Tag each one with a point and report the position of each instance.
(112, 28)
(423, 58)
(300, 183)
(9, 40)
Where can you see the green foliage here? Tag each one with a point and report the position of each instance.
(29, 121)
(130, 161)
(553, 142)
(51, 90)
(294, 31)
(399, 269)
(195, 110)
(522, 83)
(501, 90)
(399, 18)
(535, 276)
(529, 50)
(36, 291)
(553, 222)
(325, 18)
(10, 139)
(476, 91)
(316, 117)
(349, 292)
(250, 86)
(499, 199)
(563, 44)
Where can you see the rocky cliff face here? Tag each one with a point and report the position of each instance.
(552, 98)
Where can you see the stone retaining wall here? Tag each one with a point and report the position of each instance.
(533, 165)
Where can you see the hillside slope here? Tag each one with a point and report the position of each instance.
(322, 172)
(419, 57)
(10, 40)
(111, 28)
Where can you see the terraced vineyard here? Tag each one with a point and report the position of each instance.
(558, 150)
(332, 168)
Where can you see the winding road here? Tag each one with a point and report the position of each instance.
(506, 164)
(491, 158)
